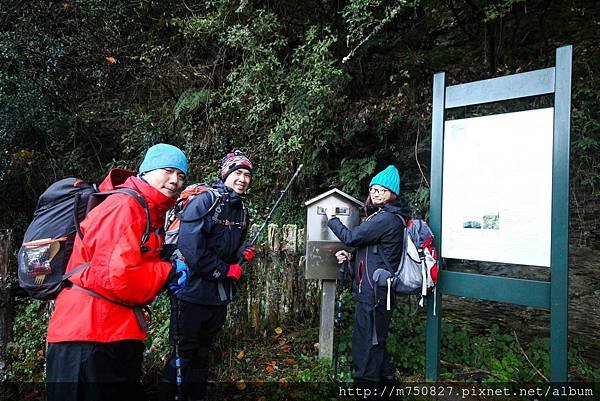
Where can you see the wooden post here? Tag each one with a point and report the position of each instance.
(290, 238)
(327, 317)
(6, 298)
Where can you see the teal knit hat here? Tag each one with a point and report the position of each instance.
(163, 155)
(388, 178)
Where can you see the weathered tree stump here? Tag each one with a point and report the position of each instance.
(274, 290)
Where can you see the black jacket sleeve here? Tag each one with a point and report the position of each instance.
(368, 232)
(195, 227)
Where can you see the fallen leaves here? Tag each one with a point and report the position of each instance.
(277, 364)
(271, 367)
(241, 354)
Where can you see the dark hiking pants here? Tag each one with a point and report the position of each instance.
(196, 327)
(91, 371)
(371, 361)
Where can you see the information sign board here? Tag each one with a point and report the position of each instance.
(497, 192)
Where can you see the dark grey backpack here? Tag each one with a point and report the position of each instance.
(417, 271)
(48, 241)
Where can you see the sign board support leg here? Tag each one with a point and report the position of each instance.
(434, 323)
(432, 341)
(559, 300)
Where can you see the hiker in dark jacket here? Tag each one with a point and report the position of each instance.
(211, 241)
(378, 241)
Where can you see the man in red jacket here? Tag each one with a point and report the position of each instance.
(95, 341)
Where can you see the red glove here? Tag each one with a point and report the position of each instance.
(235, 272)
(249, 253)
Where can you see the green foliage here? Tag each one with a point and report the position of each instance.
(359, 19)
(586, 134)
(189, 101)
(343, 338)
(311, 99)
(407, 339)
(27, 347)
(252, 84)
(319, 370)
(419, 202)
(158, 348)
(100, 83)
(499, 9)
(495, 351)
(353, 172)
(363, 16)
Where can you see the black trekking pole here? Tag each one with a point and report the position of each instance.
(178, 362)
(337, 322)
(282, 194)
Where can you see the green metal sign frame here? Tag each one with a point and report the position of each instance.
(553, 294)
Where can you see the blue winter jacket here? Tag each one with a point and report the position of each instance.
(210, 246)
(381, 233)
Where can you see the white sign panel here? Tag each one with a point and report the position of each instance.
(497, 194)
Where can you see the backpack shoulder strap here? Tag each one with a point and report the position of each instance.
(404, 242)
(139, 311)
(401, 218)
(76, 206)
(215, 209)
(217, 199)
(140, 199)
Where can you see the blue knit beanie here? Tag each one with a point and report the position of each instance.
(163, 156)
(388, 178)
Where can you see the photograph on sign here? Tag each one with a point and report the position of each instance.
(497, 188)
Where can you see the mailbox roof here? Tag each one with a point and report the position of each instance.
(331, 192)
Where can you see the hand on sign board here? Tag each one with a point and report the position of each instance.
(330, 211)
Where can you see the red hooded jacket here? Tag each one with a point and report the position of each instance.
(118, 270)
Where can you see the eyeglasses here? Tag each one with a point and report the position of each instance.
(377, 191)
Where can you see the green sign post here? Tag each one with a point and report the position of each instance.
(551, 295)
